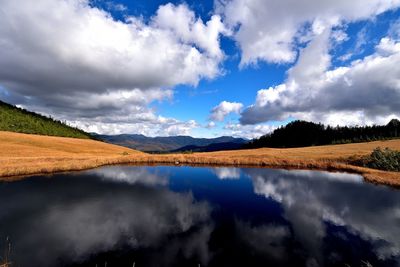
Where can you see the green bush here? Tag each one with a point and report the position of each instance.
(384, 159)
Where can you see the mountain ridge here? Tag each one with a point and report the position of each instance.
(165, 143)
(211, 147)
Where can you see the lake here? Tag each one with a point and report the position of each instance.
(188, 216)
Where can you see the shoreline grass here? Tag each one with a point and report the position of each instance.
(25, 154)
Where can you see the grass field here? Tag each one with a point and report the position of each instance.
(24, 154)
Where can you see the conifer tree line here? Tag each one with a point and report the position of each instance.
(302, 133)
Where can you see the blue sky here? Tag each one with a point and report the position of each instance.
(203, 68)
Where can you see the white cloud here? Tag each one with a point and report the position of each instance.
(388, 46)
(227, 173)
(118, 112)
(74, 61)
(210, 125)
(85, 48)
(247, 131)
(124, 174)
(117, 7)
(184, 24)
(365, 92)
(175, 127)
(218, 113)
(270, 30)
(110, 5)
(140, 123)
(340, 36)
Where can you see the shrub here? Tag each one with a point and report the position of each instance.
(384, 159)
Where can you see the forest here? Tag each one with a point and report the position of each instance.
(302, 133)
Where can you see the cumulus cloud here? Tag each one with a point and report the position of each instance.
(218, 113)
(210, 125)
(80, 47)
(365, 92)
(74, 60)
(388, 47)
(146, 123)
(118, 112)
(183, 22)
(271, 30)
(248, 131)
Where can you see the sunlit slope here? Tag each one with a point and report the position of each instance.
(14, 119)
(29, 153)
(328, 152)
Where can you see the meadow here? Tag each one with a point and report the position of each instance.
(27, 154)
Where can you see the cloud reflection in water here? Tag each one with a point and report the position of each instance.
(73, 217)
(310, 199)
(173, 218)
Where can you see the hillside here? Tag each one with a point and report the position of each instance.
(165, 144)
(303, 133)
(19, 120)
(29, 154)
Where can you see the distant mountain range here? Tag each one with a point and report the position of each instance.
(16, 119)
(211, 147)
(173, 143)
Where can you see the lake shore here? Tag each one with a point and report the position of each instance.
(25, 154)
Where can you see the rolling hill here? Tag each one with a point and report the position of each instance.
(170, 143)
(14, 119)
(23, 154)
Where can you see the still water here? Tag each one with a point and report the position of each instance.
(186, 216)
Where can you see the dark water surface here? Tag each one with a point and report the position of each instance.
(186, 216)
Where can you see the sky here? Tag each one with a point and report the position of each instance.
(203, 68)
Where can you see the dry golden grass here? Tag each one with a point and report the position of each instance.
(23, 154)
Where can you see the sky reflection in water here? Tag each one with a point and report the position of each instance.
(169, 216)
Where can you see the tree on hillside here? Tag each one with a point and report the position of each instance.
(302, 133)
